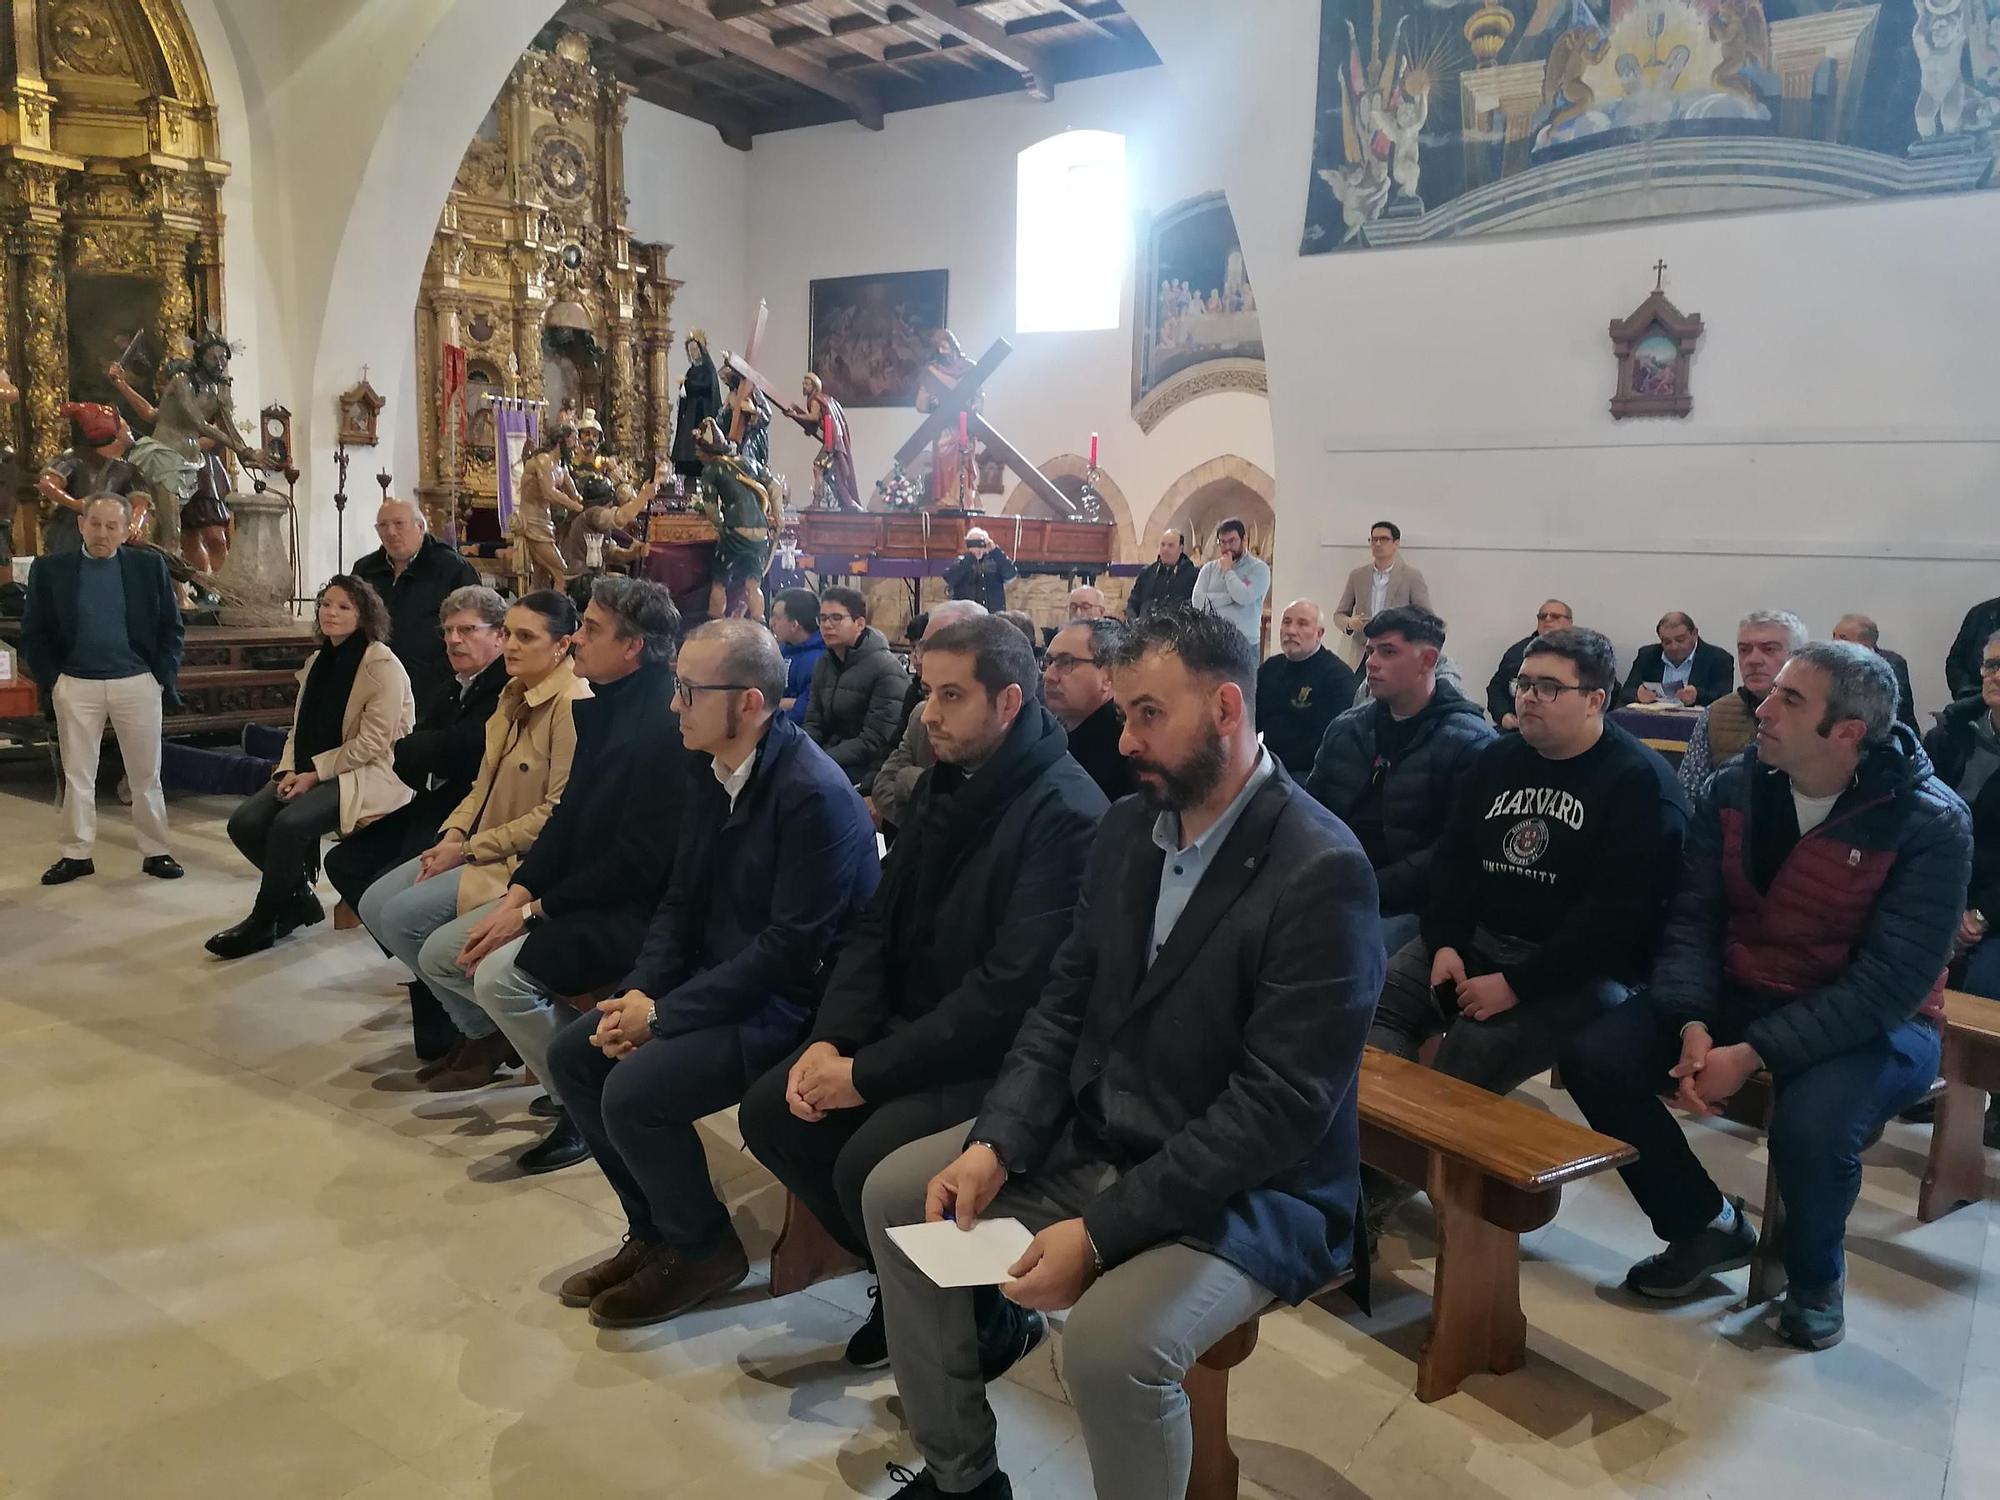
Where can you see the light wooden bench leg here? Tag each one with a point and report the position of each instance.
(1767, 1261)
(1477, 1324)
(805, 1253)
(345, 917)
(1213, 1474)
(1956, 1170)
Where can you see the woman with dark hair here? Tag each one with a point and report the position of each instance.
(337, 772)
(433, 900)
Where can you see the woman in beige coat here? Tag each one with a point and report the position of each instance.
(337, 772)
(530, 741)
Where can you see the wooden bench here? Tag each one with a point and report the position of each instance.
(1970, 1069)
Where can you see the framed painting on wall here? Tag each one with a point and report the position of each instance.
(871, 336)
(1195, 329)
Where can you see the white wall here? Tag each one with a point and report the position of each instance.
(1843, 451)
(936, 189)
(691, 191)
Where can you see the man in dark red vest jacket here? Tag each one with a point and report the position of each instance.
(1820, 892)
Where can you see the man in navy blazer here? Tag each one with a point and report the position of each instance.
(775, 860)
(1683, 668)
(102, 639)
(1177, 1118)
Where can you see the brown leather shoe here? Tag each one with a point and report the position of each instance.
(582, 1288)
(438, 1065)
(668, 1285)
(478, 1063)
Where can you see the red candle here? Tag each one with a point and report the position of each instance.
(962, 434)
(826, 430)
(1093, 450)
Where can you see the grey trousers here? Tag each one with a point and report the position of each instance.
(1127, 1343)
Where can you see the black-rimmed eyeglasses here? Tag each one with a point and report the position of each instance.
(685, 690)
(1542, 689)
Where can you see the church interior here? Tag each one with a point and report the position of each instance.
(631, 311)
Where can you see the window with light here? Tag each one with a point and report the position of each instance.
(1070, 233)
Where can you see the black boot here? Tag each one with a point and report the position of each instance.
(430, 1026)
(562, 1147)
(300, 909)
(253, 934)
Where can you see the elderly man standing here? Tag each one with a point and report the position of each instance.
(982, 572)
(1302, 689)
(1234, 582)
(1165, 582)
(1765, 641)
(414, 573)
(102, 636)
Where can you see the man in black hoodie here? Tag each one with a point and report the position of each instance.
(1164, 583)
(1076, 686)
(1390, 768)
(857, 689)
(975, 898)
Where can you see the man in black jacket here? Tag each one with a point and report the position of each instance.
(1683, 668)
(1553, 615)
(951, 953)
(1961, 663)
(1860, 630)
(101, 636)
(1177, 1119)
(982, 572)
(1390, 768)
(1302, 689)
(577, 909)
(858, 688)
(414, 572)
(1165, 582)
(439, 761)
(776, 860)
(1076, 686)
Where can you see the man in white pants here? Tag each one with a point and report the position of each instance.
(102, 635)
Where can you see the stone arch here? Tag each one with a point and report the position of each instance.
(1208, 492)
(1022, 501)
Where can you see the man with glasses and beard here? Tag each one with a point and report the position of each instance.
(1547, 891)
(775, 860)
(1177, 1119)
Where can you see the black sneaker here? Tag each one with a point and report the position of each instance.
(869, 1348)
(562, 1147)
(301, 909)
(922, 1487)
(1008, 1337)
(162, 867)
(1683, 1266)
(1813, 1320)
(64, 870)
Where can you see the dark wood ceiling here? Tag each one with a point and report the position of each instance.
(748, 67)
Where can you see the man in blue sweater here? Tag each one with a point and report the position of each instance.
(102, 635)
(795, 622)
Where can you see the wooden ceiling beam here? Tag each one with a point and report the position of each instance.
(992, 41)
(700, 25)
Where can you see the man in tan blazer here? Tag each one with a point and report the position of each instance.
(1385, 582)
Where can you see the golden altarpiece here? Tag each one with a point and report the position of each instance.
(535, 274)
(110, 216)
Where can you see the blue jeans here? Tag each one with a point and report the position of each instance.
(1820, 1117)
(401, 913)
(1982, 969)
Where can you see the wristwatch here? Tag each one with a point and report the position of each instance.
(998, 1155)
(653, 1018)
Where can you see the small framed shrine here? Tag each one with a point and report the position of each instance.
(1654, 346)
(359, 409)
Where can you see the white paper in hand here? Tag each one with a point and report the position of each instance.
(951, 1256)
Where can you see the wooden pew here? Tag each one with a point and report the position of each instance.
(1956, 1170)
(1494, 1169)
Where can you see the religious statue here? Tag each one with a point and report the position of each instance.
(94, 464)
(821, 417)
(745, 503)
(602, 535)
(545, 487)
(701, 398)
(954, 469)
(195, 405)
(747, 413)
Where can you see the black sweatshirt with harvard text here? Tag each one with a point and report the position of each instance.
(1578, 857)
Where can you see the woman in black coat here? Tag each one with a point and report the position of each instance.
(701, 398)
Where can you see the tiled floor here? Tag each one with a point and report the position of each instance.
(234, 1264)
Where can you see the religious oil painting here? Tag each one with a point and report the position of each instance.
(871, 335)
(112, 318)
(1444, 118)
(1195, 329)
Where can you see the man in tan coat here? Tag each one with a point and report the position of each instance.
(1385, 581)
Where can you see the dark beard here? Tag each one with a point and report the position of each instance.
(1187, 785)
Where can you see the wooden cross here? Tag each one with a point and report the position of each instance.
(744, 364)
(1659, 276)
(949, 404)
